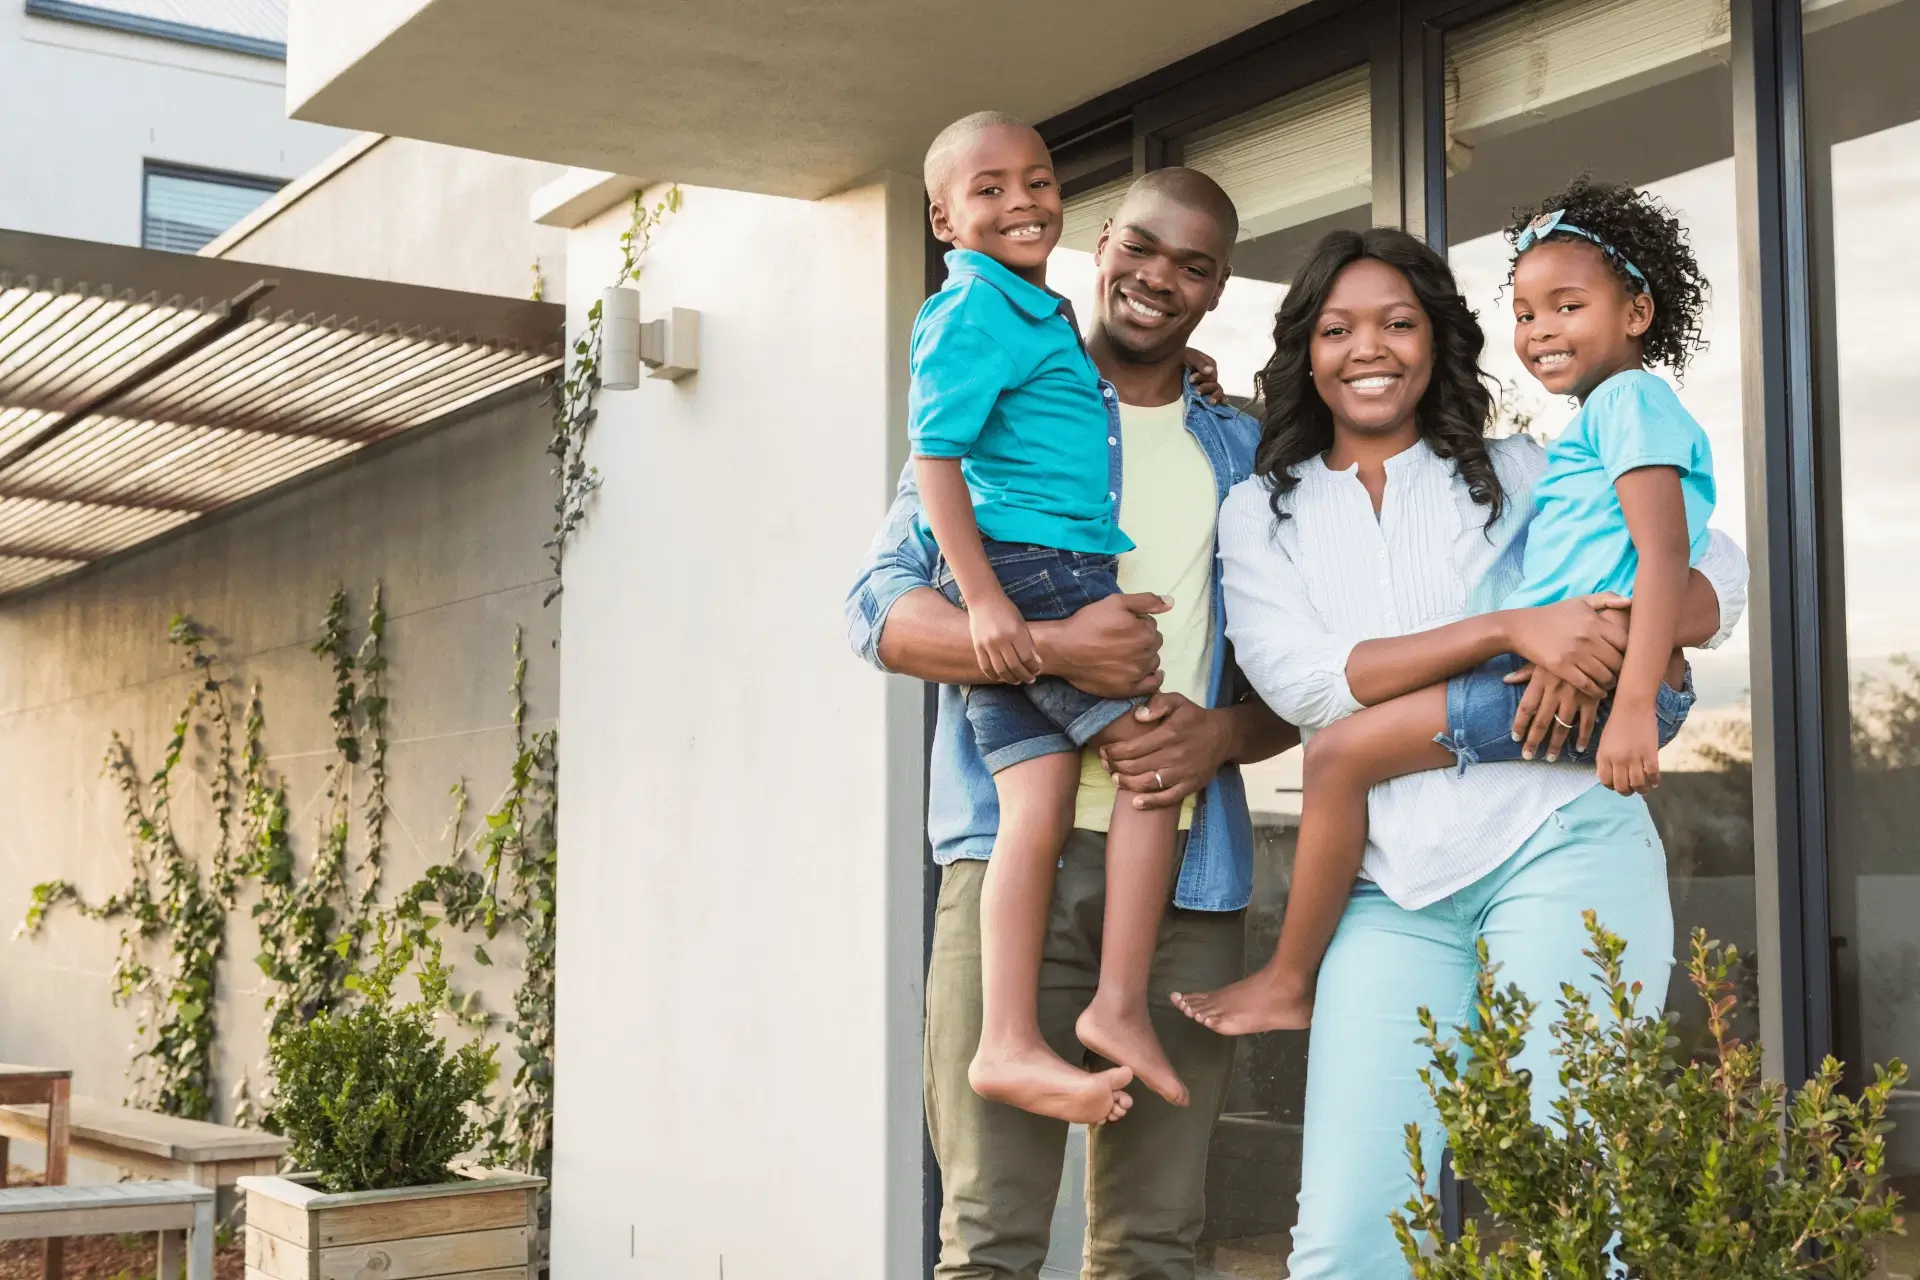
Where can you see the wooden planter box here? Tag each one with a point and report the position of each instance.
(476, 1229)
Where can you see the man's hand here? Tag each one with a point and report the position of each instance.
(1001, 641)
(1582, 641)
(1111, 648)
(1629, 757)
(1175, 758)
(1550, 711)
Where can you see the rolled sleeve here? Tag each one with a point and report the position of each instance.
(1724, 566)
(1296, 665)
(898, 561)
(959, 371)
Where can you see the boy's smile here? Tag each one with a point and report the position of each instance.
(1001, 199)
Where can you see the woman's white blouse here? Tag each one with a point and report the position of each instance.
(1302, 592)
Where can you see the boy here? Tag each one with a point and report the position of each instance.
(1010, 453)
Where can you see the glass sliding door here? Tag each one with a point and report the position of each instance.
(1863, 161)
(1631, 91)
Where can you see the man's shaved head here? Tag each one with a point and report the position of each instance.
(938, 170)
(1191, 189)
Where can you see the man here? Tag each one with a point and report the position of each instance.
(1162, 263)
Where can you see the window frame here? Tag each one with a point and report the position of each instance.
(151, 169)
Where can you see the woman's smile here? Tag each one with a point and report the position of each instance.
(1373, 384)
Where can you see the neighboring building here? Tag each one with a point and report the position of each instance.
(145, 122)
(739, 1004)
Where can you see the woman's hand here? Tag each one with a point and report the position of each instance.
(1629, 756)
(1582, 641)
(1551, 710)
(1000, 640)
(1175, 758)
(1206, 376)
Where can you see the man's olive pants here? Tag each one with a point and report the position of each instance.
(1000, 1166)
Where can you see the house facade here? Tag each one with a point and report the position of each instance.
(746, 884)
(145, 122)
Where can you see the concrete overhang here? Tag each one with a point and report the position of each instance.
(772, 96)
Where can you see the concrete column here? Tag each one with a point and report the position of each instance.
(740, 937)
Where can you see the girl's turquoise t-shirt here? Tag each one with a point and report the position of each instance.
(1577, 542)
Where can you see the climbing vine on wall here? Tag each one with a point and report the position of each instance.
(313, 915)
(311, 919)
(576, 391)
(506, 879)
(167, 899)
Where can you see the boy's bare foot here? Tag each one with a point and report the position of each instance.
(1263, 1001)
(1041, 1081)
(1128, 1039)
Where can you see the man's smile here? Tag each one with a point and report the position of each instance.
(1141, 310)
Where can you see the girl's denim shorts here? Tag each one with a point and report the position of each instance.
(1481, 706)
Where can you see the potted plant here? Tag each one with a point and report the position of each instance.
(377, 1109)
(1651, 1168)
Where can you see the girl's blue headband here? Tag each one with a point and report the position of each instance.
(1548, 223)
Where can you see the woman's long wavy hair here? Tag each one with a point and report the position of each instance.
(1452, 416)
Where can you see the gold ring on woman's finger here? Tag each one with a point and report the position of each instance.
(1159, 781)
(1562, 723)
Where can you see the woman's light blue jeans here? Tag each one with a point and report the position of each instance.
(1599, 852)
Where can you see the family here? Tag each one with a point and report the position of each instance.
(1126, 589)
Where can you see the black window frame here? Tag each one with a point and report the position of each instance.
(151, 169)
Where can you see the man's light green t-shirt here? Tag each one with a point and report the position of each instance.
(1168, 508)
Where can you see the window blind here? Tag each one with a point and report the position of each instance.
(1087, 212)
(1301, 157)
(185, 210)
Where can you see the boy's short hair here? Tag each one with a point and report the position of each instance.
(937, 171)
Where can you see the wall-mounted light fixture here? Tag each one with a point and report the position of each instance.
(668, 347)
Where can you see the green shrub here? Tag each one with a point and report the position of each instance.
(372, 1098)
(1699, 1170)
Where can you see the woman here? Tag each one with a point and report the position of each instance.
(1349, 557)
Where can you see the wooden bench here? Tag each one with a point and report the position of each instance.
(149, 1145)
(180, 1211)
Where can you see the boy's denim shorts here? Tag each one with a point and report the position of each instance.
(1017, 722)
(1481, 706)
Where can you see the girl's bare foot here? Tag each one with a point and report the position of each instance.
(1039, 1080)
(1263, 1001)
(1128, 1039)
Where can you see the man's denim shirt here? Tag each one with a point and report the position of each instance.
(962, 811)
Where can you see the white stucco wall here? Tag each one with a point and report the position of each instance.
(414, 212)
(740, 959)
(82, 108)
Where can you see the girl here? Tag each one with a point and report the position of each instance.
(1604, 282)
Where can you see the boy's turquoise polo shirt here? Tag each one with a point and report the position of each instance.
(1002, 382)
(1577, 542)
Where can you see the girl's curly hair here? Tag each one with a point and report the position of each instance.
(1644, 232)
(1453, 414)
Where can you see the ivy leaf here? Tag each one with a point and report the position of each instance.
(480, 954)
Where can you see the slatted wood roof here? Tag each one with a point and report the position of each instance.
(140, 390)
